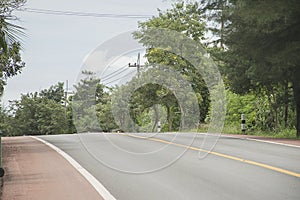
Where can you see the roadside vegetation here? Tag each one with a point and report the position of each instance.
(255, 45)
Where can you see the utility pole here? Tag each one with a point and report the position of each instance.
(137, 65)
(1, 168)
(66, 93)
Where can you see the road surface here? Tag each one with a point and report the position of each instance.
(169, 167)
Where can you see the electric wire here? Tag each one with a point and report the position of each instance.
(130, 73)
(113, 74)
(83, 14)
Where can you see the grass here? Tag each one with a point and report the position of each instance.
(285, 133)
(282, 133)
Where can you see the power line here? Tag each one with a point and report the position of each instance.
(130, 73)
(83, 14)
(113, 74)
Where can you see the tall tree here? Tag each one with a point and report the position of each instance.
(263, 41)
(91, 105)
(84, 102)
(185, 18)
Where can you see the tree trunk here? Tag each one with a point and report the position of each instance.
(276, 118)
(270, 123)
(182, 120)
(286, 102)
(296, 90)
(156, 117)
(275, 107)
(169, 118)
(222, 26)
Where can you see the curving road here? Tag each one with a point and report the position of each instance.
(167, 166)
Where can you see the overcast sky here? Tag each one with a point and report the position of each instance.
(55, 46)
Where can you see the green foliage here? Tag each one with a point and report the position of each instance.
(119, 108)
(256, 46)
(6, 125)
(186, 19)
(238, 105)
(10, 64)
(55, 93)
(260, 113)
(160, 94)
(69, 116)
(150, 95)
(91, 105)
(104, 109)
(10, 59)
(104, 114)
(84, 102)
(263, 43)
(9, 32)
(36, 114)
(263, 47)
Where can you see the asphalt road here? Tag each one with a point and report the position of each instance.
(155, 168)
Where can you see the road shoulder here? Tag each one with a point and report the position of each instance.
(35, 171)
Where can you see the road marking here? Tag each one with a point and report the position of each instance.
(271, 142)
(102, 191)
(277, 169)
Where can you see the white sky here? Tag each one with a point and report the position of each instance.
(56, 46)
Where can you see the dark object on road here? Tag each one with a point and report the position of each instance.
(1, 172)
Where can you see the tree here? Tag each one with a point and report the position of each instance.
(69, 116)
(91, 105)
(36, 114)
(150, 95)
(263, 41)
(186, 19)
(120, 108)
(40, 113)
(6, 122)
(84, 102)
(10, 60)
(104, 113)
(55, 93)
(158, 94)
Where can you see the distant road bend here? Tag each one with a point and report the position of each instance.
(167, 167)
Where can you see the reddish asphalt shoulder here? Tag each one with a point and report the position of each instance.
(34, 171)
(293, 142)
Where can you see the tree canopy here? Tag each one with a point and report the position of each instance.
(255, 44)
(186, 19)
(37, 114)
(10, 35)
(263, 46)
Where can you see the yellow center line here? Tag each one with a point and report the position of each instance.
(277, 169)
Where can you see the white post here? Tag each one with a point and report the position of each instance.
(158, 126)
(243, 125)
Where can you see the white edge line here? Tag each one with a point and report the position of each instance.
(264, 141)
(245, 138)
(103, 192)
(229, 136)
(270, 142)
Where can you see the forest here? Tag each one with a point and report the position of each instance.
(254, 44)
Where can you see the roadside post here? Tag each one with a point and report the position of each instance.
(243, 124)
(158, 126)
(1, 169)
